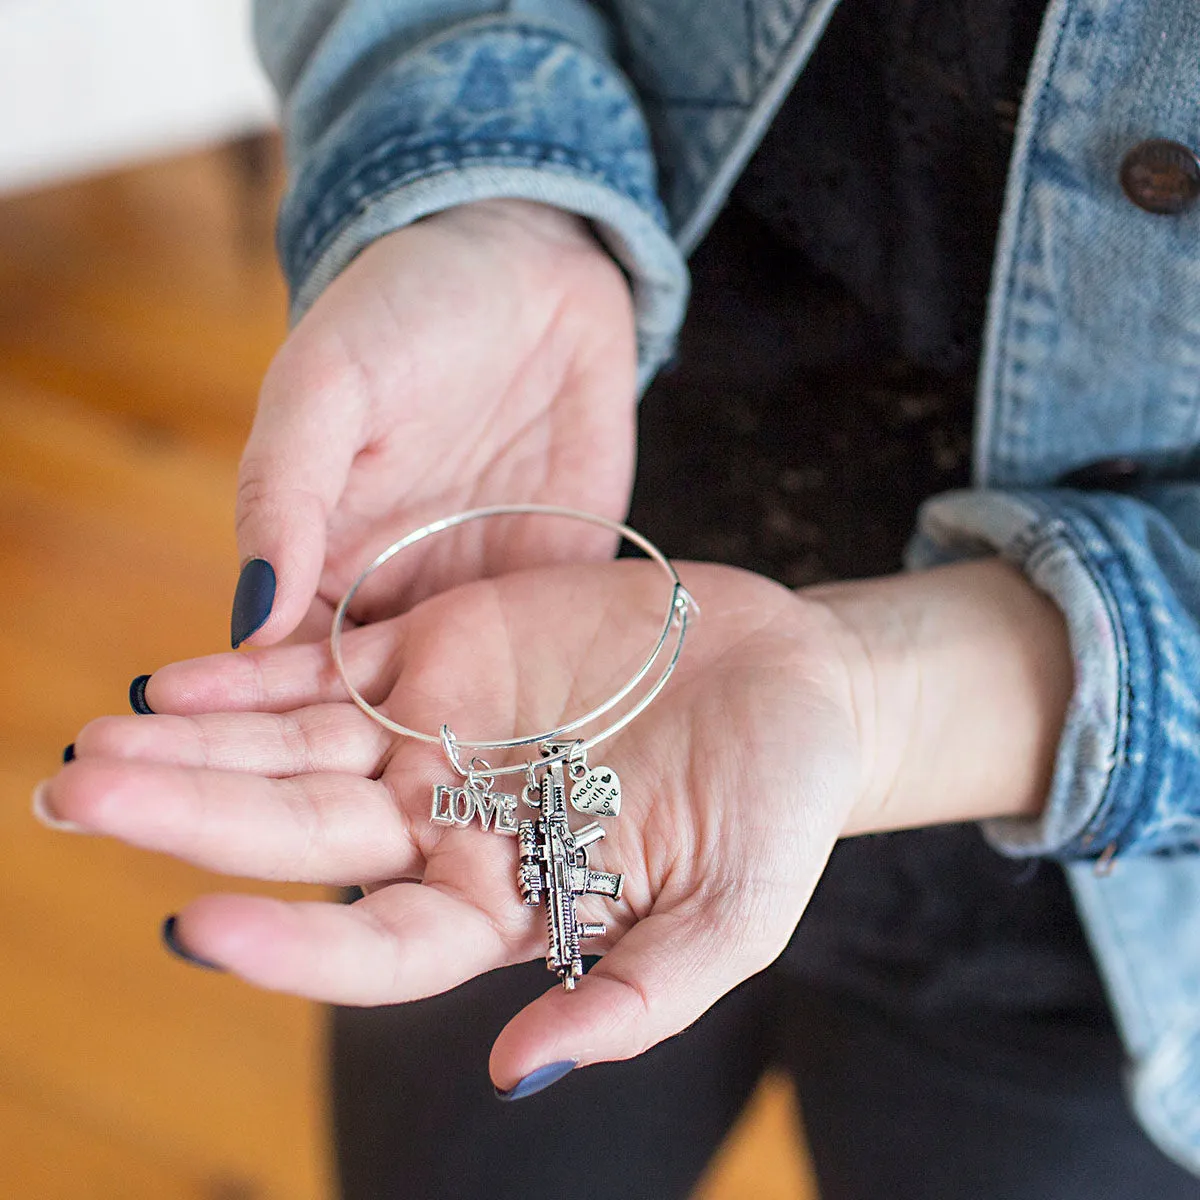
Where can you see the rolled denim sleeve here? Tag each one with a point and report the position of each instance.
(1125, 571)
(393, 111)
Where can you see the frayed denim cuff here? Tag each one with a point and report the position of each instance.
(1127, 775)
(485, 111)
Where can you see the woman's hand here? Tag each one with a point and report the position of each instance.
(791, 719)
(736, 782)
(483, 355)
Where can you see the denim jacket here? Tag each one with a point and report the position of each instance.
(639, 115)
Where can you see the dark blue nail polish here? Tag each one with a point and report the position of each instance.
(252, 600)
(538, 1080)
(172, 943)
(137, 696)
(69, 753)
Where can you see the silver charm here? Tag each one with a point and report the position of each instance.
(553, 870)
(553, 865)
(597, 792)
(460, 805)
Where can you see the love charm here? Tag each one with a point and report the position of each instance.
(461, 805)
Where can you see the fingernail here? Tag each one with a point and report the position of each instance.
(69, 753)
(41, 810)
(137, 696)
(252, 600)
(539, 1080)
(171, 941)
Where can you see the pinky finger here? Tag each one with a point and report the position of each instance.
(401, 943)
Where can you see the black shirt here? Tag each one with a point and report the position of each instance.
(824, 387)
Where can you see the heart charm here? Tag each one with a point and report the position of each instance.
(598, 792)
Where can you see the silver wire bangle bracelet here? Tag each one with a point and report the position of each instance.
(678, 611)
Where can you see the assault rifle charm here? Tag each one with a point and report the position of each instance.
(553, 868)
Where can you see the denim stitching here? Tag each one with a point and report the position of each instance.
(1126, 831)
(328, 223)
(999, 383)
(1153, 636)
(322, 223)
(1059, 530)
(374, 166)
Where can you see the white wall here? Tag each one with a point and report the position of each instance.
(86, 84)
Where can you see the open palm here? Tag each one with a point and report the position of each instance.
(736, 782)
(484, 354)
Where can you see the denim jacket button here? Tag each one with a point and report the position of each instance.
(1105, 474)
(1161, 176)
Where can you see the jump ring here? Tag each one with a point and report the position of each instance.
(479, 775)
(450, 749)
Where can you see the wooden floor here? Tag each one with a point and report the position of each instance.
(137, 313)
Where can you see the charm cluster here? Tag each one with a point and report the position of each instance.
(553, 859)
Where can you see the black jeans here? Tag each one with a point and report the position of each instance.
(938, 1055)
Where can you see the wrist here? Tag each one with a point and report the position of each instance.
(959, 678)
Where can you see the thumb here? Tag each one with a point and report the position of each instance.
(292, 474)
(660, 977)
